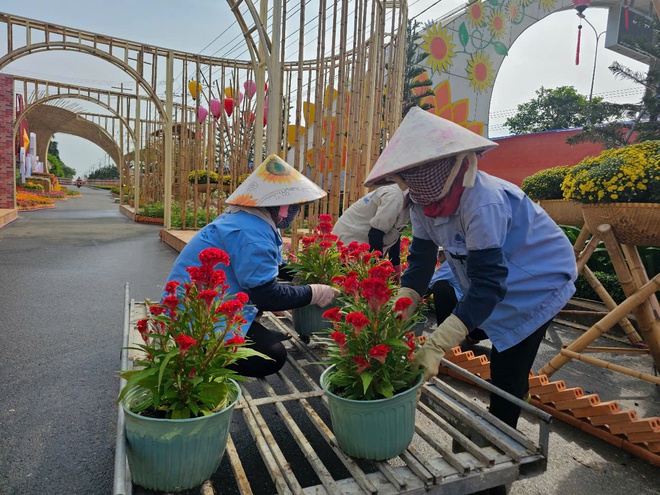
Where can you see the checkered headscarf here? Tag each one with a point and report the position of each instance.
(427, 183)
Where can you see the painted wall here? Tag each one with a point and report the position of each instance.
(7, 189)
(518, 157)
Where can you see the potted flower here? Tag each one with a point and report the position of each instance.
(179, 400)
(545, 187)
(620, 187)
(371, 385)
(318, 262)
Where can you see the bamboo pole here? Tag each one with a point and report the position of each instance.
(603, 325)
(648, 322)
(611, 366)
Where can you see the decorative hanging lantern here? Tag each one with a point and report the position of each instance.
(195, 89)
(580, 6)
(250, 88)
(229, 92)
(216, 107)
(265, 116)
(240, 97)
(202, 112)
(229, 106)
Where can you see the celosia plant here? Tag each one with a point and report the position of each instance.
(628, 174)
(319, 259)
(190, 339)
(371, 344)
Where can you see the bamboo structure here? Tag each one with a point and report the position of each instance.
(328, 112)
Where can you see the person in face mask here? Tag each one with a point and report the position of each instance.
(515, 267)
(248, 230)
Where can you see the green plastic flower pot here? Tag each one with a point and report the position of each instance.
(373, 429)
(176, 454)
(307, 320)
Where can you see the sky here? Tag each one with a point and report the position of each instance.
(544, 55)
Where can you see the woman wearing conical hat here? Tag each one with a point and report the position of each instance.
(248, 230)
(515, 266)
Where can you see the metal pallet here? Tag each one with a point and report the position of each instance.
(458, 448)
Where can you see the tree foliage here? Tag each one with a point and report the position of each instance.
(56, 165)
(414, 91)
(108, 172)
(560, 108)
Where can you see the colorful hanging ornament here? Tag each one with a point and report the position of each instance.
(202, 112)
(577, 50)
(216, 107)
(240, 97)
(229, 92)
(581, 5)
(265, 116)
(250, 88)
(229, 106)
(195, 88)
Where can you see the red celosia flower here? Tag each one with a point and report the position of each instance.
(207, 296)
(379, 352)
(324, 228)
(338, 280)
(171, 302)
(358, 320)
(375, 292)
(236, 340)
(230, 308)
(351, 284)
(212, 256)
(242, 296)
(332, 314)
(330, 237)
(339, 338)
(402, 303)
(142, 326)
(218, 277)
(156, 309)
(381, 271)
(324, 217)
(325, 245)
(361, 363)
(199, 274)
(170, 287)
(184, 342)
(308, 241)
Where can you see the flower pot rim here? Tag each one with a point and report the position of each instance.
(187, 420)
(623, 204)
(327, 371)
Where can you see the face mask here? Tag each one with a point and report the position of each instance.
(286, 215)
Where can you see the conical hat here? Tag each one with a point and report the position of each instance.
(421, 138)
(275, 183)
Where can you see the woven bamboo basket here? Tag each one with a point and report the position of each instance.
(563, 211)
(637, 224)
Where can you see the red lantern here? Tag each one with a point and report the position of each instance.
(229, 106)
(249, 118)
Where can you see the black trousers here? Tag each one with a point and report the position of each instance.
(266, 342)
(509, 370)
(444, 300)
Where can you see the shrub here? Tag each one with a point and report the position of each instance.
(609, 280)
(628, 174)
(545, 184)
(202, 177)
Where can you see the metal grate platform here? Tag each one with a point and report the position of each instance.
(281, 440)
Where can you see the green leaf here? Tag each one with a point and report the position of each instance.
(494, 3)
(163, 365)
(366, 380)
(500, 48)
(463, 35)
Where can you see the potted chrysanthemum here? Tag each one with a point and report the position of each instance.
(545, 187)
(371, 384)
(179, 399)
(318, 262)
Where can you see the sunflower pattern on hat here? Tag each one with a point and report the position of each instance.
(275, 183)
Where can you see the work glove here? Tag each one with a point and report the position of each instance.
(322, 295)
(447, 335)
(413, 296)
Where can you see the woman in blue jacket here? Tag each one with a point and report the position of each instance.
(514, 265)
(248, 230)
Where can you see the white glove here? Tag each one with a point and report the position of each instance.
(322, 295)
(413, 296)
(448, 334)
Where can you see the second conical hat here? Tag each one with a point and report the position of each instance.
(422, 138)
(275, 183)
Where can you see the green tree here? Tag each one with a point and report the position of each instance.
(108, 172)
(560, 108)
(413, 69)
(56, 165)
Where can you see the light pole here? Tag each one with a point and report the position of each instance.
(598, 35)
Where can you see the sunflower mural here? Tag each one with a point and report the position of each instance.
(465, 51)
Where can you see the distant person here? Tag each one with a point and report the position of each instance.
(379, 219)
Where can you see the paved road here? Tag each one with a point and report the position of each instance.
(62, 278)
